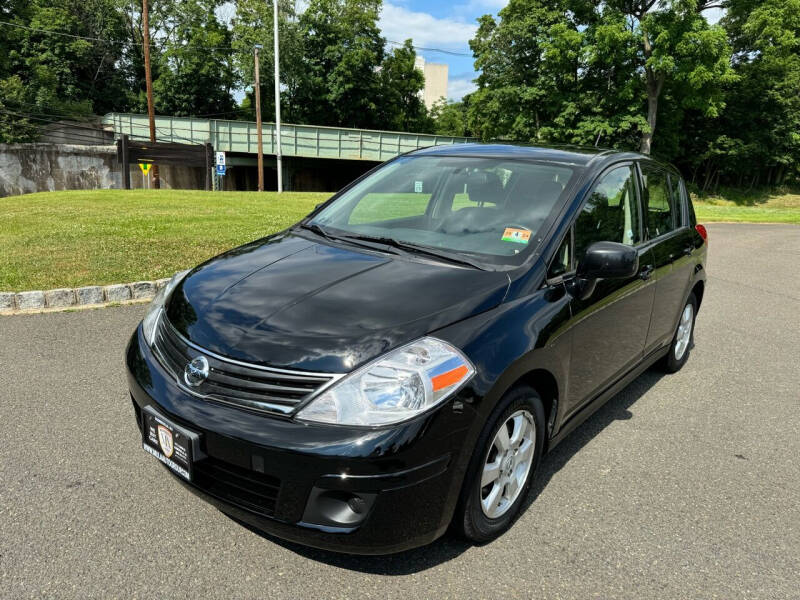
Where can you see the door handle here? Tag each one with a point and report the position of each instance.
(646, 272)
(688, 250)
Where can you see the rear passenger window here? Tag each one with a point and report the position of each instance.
(662, 213)
(689, 205)
(686, 202)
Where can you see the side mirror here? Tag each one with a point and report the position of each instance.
(604, 260)
(609, 260)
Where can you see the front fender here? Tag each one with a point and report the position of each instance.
(509, 342)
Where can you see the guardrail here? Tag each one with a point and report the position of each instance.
(296, 140)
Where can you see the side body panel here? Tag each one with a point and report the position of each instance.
(609, 332)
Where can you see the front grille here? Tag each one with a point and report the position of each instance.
(253, 387)
(254, 491)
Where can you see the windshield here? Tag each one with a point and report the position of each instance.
(491, 208)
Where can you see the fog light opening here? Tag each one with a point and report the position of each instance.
(337, 508)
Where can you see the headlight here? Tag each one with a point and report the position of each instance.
(400, 385)
(157, 305)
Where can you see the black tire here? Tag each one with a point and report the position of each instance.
(670, 363)
(470, 520)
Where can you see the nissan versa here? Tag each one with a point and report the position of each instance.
(399, 361)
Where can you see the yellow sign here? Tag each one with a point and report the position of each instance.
(145, 167)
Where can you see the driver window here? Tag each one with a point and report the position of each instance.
(611, 213)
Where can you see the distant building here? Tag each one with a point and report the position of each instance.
(435, 81)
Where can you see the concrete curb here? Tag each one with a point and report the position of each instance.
(87, 296)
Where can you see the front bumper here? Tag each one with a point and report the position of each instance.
(355, 490)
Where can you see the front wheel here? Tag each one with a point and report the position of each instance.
(502, 466)
(683, 340)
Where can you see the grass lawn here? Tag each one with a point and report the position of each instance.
(70, 239)
(742, 207)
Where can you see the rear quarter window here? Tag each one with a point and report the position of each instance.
(688, 201)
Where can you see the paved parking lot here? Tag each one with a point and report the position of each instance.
(683, 486)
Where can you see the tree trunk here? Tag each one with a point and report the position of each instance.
(709, 176)
(654, 83)
(652, 115)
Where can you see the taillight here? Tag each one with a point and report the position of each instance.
(702, 231)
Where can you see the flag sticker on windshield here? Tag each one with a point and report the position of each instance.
(520, 236)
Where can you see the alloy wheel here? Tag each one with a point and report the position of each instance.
(684, 331)
(507, 464)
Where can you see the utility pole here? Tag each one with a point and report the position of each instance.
(277, 96)
(258, 124)
(149, 83)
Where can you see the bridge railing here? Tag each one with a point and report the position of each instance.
(296, 140)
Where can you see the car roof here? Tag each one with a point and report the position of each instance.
(576, 155)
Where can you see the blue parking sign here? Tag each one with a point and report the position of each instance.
(221, 169)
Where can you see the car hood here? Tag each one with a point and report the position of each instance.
(287, 301)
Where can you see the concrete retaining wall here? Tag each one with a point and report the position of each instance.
(26, 168)
(40, 167)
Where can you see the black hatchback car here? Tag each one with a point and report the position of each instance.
(399, 361)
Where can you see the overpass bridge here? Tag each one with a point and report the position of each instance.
(310, 141)
(315, 157)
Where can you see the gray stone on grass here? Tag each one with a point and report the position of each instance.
(160, 283)
(91, 294)
(30, 300)
(143, 289)
(59, 298)
(118, 292)
(7, 301)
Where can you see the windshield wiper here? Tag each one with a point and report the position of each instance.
(318, 229)
(415, 249)
(321, 231)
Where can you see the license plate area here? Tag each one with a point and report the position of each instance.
(173, 445)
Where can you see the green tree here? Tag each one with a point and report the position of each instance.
(13, 126)
(196, 74)
(586, 72)
(343, 51)
(401, 106)
(253, 24)
(760, 137)
(60, 58)
(449, 118)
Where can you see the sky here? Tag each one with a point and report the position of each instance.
(441, 24)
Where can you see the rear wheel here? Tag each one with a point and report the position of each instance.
(502, 466)
(683, 339)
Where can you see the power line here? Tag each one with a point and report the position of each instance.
(99, 131)
(70, 35)
(31, 109)
(52, 120)
(424, 49)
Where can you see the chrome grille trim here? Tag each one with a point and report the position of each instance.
(236, 383)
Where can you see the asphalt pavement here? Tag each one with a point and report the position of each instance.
(682, 486)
